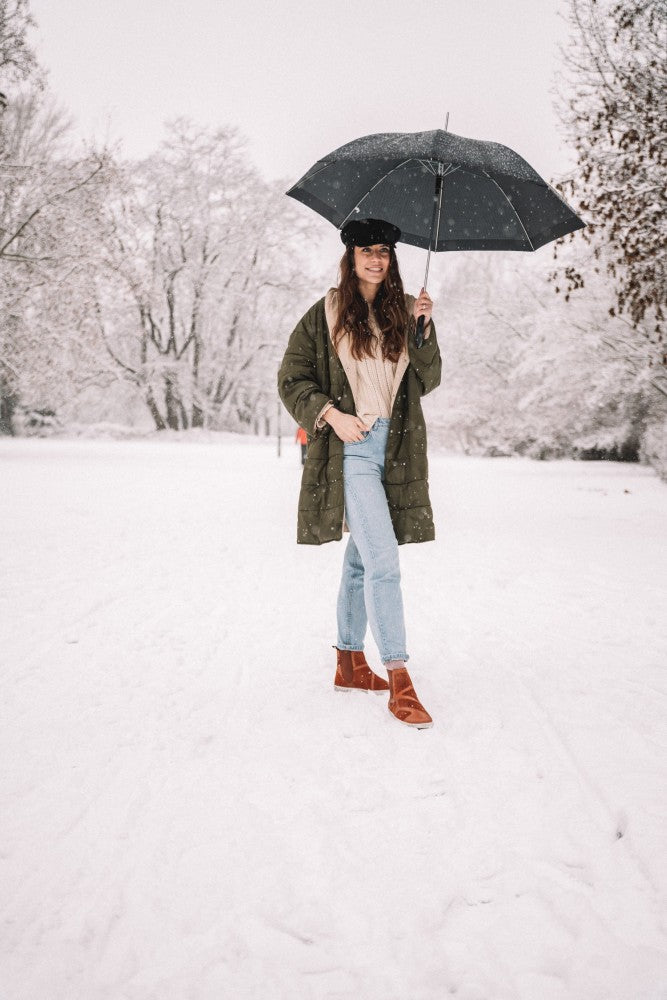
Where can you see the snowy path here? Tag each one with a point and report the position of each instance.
(189, 812)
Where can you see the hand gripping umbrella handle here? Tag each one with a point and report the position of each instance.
(419, 333)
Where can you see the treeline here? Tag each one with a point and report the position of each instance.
(567, 357)
(527, 372)
(142, 293)
(140, 290)
(159, 294)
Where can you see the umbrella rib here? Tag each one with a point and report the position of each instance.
(530, 242)
(371, 189)
(429, 164)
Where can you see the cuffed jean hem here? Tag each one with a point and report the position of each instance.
(360, 646)
(360, 649)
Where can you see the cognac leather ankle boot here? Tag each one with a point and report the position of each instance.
(404, 703)
(354, 674)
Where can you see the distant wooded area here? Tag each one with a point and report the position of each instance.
(160, 294)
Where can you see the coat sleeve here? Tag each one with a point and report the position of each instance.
(426, 360)
(298, 384)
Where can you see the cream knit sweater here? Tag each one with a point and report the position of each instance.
(374, 381)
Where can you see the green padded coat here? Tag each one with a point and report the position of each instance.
(310, 375)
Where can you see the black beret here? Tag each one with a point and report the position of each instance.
(368, 232)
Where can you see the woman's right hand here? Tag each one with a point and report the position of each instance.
(348, 428)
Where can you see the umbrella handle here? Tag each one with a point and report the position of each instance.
(419, 333)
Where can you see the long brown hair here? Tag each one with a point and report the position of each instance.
(353, 311)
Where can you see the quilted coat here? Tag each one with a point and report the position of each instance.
(311, 373)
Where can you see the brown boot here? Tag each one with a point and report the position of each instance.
(404, 703)
(354, 674)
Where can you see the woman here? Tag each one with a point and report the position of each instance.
(352, 377)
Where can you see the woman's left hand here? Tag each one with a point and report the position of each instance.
(423, 307)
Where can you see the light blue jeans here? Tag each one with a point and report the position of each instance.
(370, 587)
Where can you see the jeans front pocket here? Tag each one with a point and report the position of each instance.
(355, 444)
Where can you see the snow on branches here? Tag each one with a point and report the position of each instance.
(613, 105)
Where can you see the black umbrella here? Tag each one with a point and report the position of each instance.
(443, 191)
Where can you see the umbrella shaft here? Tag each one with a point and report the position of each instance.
(435, 223)
(428, 261)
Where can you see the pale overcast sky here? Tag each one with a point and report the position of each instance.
(300, 78)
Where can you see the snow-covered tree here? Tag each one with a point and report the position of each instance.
(527, 373)
(17, 57)
(613, 105)
(50, 211)
(198, 268)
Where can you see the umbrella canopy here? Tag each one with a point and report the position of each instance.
(491, 198)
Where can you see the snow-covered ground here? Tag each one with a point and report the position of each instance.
(190, 812)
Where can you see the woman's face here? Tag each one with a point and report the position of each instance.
(371, 264)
